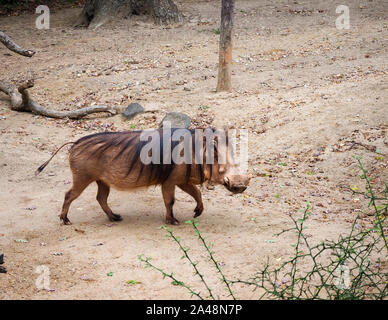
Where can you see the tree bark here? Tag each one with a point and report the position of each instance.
(98, 12)
(225, 49)
(164, 11)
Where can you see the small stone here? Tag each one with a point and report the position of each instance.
(176, 120)
(132, 110)
(152, 107)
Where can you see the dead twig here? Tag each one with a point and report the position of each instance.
(368, 147)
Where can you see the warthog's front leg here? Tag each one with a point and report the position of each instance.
(196, 194)
(102, 198)
(168, 191)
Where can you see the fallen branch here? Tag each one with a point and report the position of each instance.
(14, 94)
(21, 101)
(11, 45)
(20, 98)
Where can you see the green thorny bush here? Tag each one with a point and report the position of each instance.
(341, 269)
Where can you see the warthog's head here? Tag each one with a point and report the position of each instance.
(228, 175)
(227, 172)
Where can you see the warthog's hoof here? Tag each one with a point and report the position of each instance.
(172, 221)
(116, 217)
(66, 221)
(198, 212)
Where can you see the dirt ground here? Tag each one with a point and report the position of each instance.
(305, 90)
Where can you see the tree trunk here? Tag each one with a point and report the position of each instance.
(225, 53)
(164, 11)
(97, 12)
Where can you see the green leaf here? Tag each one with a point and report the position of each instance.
(21, 240)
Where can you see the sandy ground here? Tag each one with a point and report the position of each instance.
(305, 90)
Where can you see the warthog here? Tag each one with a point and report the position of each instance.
(114, 159)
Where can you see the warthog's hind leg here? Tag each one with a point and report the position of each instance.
(102, 198)
(79, 185)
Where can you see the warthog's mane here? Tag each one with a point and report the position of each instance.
(128, 144)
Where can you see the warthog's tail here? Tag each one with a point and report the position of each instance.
(41, 168)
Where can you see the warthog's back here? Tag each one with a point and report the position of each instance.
(114, 157)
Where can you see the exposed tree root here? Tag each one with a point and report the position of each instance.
(98, 12)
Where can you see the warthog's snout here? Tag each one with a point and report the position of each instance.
(236, 183)
(237, 189)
